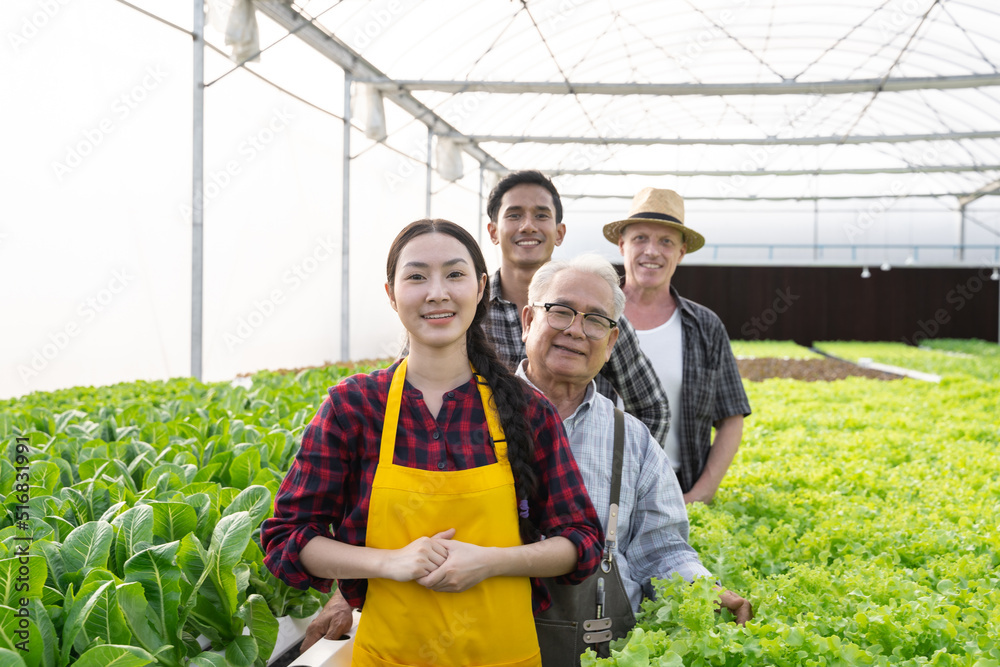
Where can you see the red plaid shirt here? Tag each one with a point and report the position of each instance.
(328, 489)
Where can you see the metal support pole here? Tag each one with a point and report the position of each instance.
(430, 137)
(479, 209)
(197, 183)
(961, 235)
(816, 229)
(345, 230)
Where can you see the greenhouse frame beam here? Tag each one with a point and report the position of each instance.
(707, 89)
(991, 188)
(778, 172)
(361, 70)
(757, 141)
(786, 198)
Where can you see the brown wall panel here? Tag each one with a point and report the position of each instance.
(808, 304)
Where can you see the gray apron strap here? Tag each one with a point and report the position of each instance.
(611, 534)
(619, 456)
(572, 625)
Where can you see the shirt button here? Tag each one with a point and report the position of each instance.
(441, 465)
(451, 394)
(436, 435)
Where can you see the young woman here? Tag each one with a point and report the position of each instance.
(432, 490)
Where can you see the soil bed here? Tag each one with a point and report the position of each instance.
(755, 370)
(810, 370)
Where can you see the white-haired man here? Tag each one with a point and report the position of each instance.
(685, 341)
(569, 330)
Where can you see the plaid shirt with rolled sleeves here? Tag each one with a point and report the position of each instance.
(628, 373)
(652, 519)
(327, 491)
(711, 388)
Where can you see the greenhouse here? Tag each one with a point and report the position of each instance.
(201, 197)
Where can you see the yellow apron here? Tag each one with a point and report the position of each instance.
(404, 623)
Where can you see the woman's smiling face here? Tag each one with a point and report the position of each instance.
(435, 290)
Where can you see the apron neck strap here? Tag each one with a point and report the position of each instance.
(492, 417)
(392, 414)
(395, 399)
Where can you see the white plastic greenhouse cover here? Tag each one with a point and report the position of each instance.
(844, 133)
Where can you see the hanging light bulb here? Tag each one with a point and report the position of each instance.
(885, 266)
(909, 260)
(996, 274)
(865, 273)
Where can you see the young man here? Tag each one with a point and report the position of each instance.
(525, 214)
(686, 342)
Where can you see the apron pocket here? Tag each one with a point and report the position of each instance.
(557, 639)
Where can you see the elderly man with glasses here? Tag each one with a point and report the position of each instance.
(569, 330)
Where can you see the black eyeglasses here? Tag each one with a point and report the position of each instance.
(560, 317)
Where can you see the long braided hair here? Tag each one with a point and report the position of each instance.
(508, 391)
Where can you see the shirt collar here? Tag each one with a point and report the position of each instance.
(581, 410)
(685, 308)
(496, 291)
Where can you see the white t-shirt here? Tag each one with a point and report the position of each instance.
(664, 347)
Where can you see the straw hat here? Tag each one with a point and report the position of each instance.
(660, 207)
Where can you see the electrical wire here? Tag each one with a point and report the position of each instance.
(255, 55)
(562, 73)
(736, 41)
(274, 85)
(225, 55)
(830, 49)
(892, 67)
(979, 223)
(968, 37)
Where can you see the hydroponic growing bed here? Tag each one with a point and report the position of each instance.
(131, 518)
(861, 518)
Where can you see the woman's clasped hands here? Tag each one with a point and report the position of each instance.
(439, 563)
